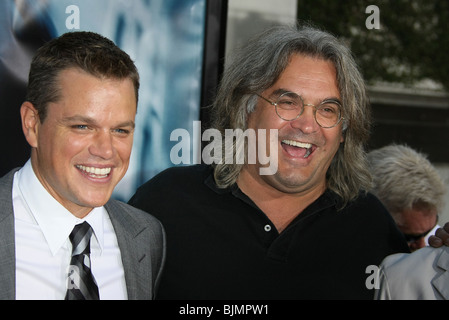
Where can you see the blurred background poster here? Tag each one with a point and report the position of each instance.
(165, 38)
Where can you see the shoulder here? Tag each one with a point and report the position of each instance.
(6, 185)
(369, 207)
(368, 219)
(410, 276)
(7, 179)
(412, 262)
(192, 174)
(170, 186)
(368, 201)
(128, 212)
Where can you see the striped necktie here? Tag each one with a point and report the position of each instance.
(81, 284)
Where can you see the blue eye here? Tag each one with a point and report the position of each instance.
(122, 131)
(80, 126)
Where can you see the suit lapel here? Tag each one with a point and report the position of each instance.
(7, 239)
(441, 281)
(133, 249)
(136, 263)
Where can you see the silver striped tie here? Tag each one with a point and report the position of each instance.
(81, 284)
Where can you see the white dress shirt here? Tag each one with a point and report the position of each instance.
(43, 248)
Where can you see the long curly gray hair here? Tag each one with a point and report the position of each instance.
(258, 65)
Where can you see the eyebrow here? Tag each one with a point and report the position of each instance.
(281, 91)
(91, 121)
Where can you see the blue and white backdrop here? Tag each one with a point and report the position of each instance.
(164, 37)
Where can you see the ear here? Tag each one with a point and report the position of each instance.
(344, 128)
(30, 122)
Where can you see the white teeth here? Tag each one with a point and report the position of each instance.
(298, 144)
(102, 172)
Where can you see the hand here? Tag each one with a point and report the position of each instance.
(441, 237)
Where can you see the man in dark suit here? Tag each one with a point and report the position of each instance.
(78, 118)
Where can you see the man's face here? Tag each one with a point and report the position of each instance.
(314, 80)
(82, 148)
(416, 223)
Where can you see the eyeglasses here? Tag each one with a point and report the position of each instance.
(415, 237)
(289, 106)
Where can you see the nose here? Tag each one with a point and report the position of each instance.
(102, 145)
(306, 121)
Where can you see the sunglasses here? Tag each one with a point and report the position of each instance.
(415, 237)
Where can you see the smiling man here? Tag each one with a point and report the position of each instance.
(306, 148)
(81, 149)
(308, 231)
(61, 234)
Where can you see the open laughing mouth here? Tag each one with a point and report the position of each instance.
(93, 172)
(298, 149)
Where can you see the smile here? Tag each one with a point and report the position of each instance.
(95, 172)
(297, 144)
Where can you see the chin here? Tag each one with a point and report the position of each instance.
(286, 183)
(94, 201)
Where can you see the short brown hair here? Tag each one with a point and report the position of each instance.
(87, 51)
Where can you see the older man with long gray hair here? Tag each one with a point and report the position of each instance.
(309, 230)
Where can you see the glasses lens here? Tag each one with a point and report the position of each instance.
(289, 106)
(328, 114)
(412, 238)
(415, 237)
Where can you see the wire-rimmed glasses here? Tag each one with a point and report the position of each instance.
(289, 106)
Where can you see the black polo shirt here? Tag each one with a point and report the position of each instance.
(220, 245)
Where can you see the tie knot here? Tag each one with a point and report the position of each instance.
(80, 238)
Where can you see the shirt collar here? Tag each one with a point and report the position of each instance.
(210, 182)
(55, 221)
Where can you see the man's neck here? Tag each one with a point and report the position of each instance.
(279, 206)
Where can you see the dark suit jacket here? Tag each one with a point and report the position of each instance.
(140, 236)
